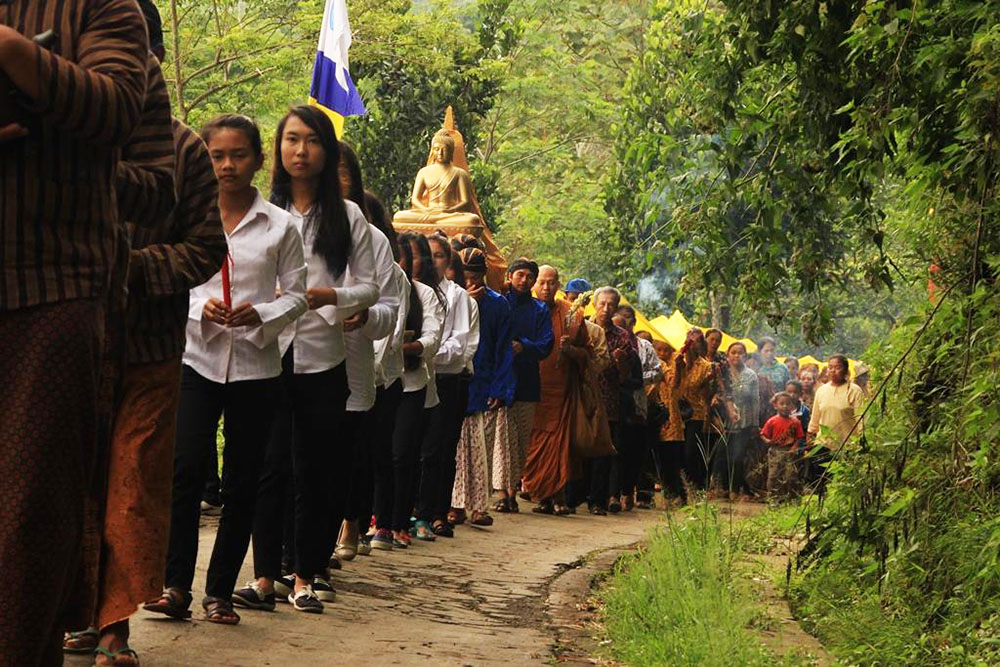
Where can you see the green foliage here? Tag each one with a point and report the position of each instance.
(911, 523)
(682, 601)
(408, 62)
(550, 133)
(771, 150)
(797, 160)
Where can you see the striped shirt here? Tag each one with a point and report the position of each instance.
(171, 258)
(58, 212)
(146, 193)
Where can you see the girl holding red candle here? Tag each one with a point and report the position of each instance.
(231, 367)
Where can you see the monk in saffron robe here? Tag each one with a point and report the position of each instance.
(550, 465)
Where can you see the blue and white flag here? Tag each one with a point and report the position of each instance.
(332, 89)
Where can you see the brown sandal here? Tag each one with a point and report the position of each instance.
(173, 603)
(219, 611)
(481, 519)
(81, 642)
(456, 517)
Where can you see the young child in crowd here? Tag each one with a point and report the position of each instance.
(782, 434)
(800, 410)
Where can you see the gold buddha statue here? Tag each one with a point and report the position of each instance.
(442, 192)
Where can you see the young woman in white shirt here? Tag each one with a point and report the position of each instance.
(231, 368)
(423, 336)
(378, 322)
(389, 368)
(459, 340)
(337, 244)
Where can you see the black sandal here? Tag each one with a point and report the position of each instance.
(544, 507)
(442, 528)
(173, 603)
(219, 611)
(502, 506)
(562, 510)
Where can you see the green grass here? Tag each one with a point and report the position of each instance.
(682, 601)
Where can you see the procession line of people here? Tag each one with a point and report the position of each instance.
(372, 389)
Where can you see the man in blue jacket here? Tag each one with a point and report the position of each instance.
(532, 342)
(491, 393)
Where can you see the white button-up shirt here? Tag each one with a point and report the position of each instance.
(381, 322)
(319, 333)
(460, 338)
(266, 250)
(389, 350)
(430, 337)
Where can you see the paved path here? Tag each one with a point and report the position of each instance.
(476, 599)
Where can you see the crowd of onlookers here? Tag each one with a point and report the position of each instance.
(745, 425)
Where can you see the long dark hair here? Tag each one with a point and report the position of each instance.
(428, 274)
(332, 239)
(357, 192)
(379, 217)
(415, 315)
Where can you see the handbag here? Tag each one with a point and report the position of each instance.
(590, 433)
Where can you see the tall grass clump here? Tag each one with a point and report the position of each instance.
(679, 602)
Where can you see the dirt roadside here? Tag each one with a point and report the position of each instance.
(477, 599)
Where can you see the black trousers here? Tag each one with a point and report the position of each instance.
(453, 391)
(359, 502)
(386, 411)
(307, 441)
(343, 462)
(669, 463)
(597, 475)
(647, 469)
(625, 465)
(406, 438)
(212, 493)
(248, 407)
(697, 452)
(438, 446)
(274, 517)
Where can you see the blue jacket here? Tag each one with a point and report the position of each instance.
(493, 364)
(533, 330)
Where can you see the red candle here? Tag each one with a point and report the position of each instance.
(227, 295)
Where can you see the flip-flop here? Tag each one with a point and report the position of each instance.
(127, 652)
(85, 641)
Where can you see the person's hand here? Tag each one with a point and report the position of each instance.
(413, 349)
(12, 131)
(477, 293)
(492, 403)
(356, 321)
(564, 342)
(243, 315)
(518, 348)
(317, 297)
(215, 311)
